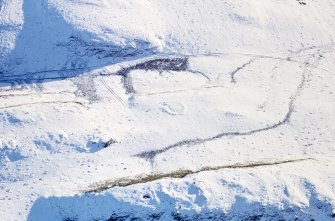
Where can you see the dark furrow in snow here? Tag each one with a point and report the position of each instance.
(150, 155)
(232, 74)
(124, 182)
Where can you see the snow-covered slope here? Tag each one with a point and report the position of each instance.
(60, 34)
(167, 110)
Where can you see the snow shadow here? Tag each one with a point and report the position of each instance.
(12, 155)
(161, 206)
(58, 143)
(50, 48)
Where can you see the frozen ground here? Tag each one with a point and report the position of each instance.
(167, 110)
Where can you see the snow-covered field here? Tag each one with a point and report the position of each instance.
(167, 110)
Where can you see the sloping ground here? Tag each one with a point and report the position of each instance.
(222, 195)
(61, 34)
(167, 110)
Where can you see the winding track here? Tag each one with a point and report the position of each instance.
(309, 64)
(181, 64)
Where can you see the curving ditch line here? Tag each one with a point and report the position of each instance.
(309, 65)
(233, 73)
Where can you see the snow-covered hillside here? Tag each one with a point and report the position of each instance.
(167, 110)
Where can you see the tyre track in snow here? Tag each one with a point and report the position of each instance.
(112, 92)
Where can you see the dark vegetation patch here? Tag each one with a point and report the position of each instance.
(301, 2)
(100, 50)
(159, 64)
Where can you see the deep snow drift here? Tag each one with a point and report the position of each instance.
(167, 110)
